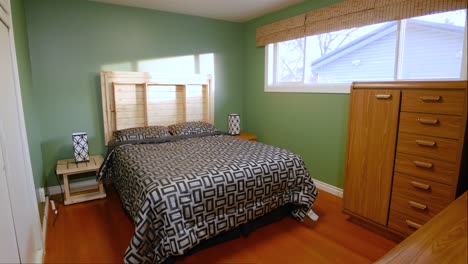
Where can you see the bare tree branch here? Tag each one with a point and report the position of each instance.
(347, 35)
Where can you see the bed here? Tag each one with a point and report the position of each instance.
(185, 189)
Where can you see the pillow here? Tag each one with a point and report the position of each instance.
(141, 133)
(190, 128)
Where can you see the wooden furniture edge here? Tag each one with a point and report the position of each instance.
(395, 85)
(413, 246)
(463, 151)
(375, 227)
(247, 136)
(406, 85)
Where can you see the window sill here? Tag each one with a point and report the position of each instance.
(335, 88)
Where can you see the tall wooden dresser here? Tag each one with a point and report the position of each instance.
(404, 152)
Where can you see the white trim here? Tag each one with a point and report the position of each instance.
(38, 256)
(45, 219)
(78, 185)
(341, 88)
(329, 188)
(399, 50)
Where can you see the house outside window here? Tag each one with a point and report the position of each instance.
(429, 47)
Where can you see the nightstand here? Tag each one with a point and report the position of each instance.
(69, 167)
(247, 136)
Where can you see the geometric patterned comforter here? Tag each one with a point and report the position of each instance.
(185, 190)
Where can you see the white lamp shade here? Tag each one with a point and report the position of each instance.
(80, 144)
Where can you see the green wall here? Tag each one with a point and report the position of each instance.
(71, 41)
(311, 125)
(27, 90)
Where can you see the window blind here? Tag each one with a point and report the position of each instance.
(350, 14)
(282, 30)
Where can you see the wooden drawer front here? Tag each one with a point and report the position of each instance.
(430, 169)
(404, 223)
(422, 190)
(428, 147)
(431, 125)
(422, 210)
(433, 101)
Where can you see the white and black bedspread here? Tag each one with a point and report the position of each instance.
(184, 190)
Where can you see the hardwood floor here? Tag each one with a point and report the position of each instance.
(99, 232)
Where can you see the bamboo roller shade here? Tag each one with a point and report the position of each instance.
(131, 100)
(350, 14)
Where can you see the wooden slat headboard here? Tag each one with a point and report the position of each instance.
(136, 99)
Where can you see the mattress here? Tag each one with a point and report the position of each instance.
(183, 190)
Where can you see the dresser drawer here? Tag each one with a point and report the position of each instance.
(419, 209)
(431, 125)
(428, 147)
(430, 169)
(422, 189)
(433, 101)
(404, 223)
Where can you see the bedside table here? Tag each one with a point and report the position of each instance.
(69, 167)
(247, 136)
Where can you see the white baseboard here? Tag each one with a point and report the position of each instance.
(39, 256)
(78, 185)
(40, 195)
(45, 218)
(329, 188)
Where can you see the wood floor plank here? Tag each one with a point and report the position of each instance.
(99, 232)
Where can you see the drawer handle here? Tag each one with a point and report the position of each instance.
(420, 185)
(413, 224)
(430, 98)
(383, 96)
(426, 143)
(417, 205)
(422, 164)
(428, 121)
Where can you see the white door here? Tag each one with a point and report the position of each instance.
(8, 247)
(20, 232)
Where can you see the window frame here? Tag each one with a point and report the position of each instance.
(345, 88)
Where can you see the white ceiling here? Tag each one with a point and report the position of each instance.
(230, 10)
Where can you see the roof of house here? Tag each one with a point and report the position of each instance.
(376, 35)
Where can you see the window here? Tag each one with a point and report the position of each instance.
(420, 48)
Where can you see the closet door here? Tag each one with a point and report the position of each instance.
(8, 247)
(372, 131)
(17, 195)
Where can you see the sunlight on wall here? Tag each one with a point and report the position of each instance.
(172, 66)
(206, 64)
(191, 64)
(179, 65)
(173, 101)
